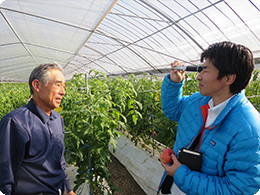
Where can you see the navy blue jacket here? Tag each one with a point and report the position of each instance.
(31, 152)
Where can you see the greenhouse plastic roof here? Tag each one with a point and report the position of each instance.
(119, 37)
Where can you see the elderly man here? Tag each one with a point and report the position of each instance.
(32, 139)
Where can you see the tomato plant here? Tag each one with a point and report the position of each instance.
(12, 96)
(253, 90)
(93, 115)
(153, 124)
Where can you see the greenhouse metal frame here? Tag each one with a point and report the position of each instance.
(119, 37)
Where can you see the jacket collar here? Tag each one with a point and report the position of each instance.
(40, 113)
(231, 104)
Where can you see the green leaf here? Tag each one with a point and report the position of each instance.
(116, 114)
(139, 104)
(122, 124)
(135, 118)
(129, 103)
(113, 142)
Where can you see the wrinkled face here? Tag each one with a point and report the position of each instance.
(51, 95)
(209, 85)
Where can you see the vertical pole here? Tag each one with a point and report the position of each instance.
(153, 117)
(86, 83)
(91, 191)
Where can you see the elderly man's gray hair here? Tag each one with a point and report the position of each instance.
(41, 73)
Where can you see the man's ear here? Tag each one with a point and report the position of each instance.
(230, 79)
(36, 85)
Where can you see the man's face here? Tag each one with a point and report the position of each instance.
(51, 95)
(209, 84)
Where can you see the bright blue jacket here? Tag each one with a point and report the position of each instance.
(230, 147)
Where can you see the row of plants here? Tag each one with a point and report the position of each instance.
(253, 90)
(12, 96)
(97, 110)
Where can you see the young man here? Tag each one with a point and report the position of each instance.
(32, 139)
(219, 122)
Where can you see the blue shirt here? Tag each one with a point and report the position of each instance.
(31, 152)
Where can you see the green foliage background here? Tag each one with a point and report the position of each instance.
(97, 110)
(12, 96)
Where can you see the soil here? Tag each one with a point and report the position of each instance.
(123, 179)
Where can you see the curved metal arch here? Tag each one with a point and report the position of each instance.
(172, 21)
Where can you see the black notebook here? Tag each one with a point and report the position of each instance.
(191, 159)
